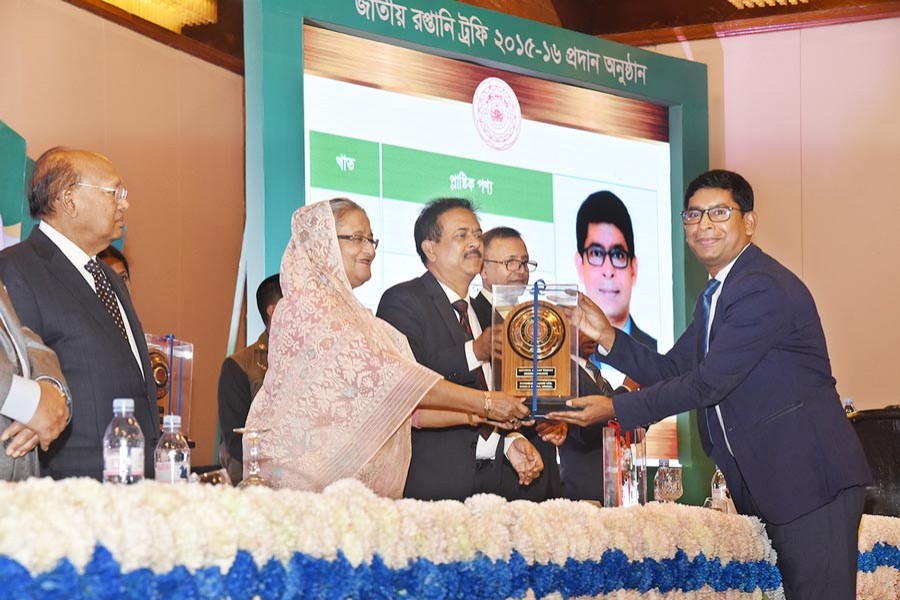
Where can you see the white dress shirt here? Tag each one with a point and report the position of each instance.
(485, 448)
(79, 258)
(720, 276)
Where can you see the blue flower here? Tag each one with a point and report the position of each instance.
(15, 580)
(241, 579)
(613, 566)
(101, 578)
(272, 583)
(61, 582)
(177, 583)
(139, 585)
(210, 583)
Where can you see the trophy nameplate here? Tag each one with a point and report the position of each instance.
(552, 342)
(515, 311)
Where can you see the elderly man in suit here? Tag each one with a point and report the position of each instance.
(754, 365)
(79, 306)
(452, 462)
(34, 398)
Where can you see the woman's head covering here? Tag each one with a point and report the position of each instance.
(341, 383)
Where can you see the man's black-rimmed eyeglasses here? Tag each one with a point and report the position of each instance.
(716, 214)
(359, 239)
(514, 264)
(596, 256)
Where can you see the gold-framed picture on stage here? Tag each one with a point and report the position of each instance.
(538, 343)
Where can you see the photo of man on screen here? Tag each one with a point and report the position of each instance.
(608, 266)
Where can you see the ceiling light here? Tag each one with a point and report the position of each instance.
(171, 14)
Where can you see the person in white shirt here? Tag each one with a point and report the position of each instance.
(79, 307)
(433, 311)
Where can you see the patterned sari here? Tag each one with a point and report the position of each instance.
(342, 384)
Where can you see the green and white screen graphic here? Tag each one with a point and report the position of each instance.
(393, 149)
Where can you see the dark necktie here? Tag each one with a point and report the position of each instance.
(462, 309)
(706, 302)
(107, 295)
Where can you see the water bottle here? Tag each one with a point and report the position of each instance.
(173, 455)
(848, 405)
(123, 445)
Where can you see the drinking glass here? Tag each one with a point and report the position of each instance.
(667, 485)
(254, 477)
(217, 477)
(716, 504)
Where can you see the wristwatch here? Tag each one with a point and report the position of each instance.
(62, 391)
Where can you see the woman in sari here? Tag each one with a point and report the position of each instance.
(342, 385)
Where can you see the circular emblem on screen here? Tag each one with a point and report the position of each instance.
(496, 112)
(551, 331)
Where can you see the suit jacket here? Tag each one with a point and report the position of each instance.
(42, 364)
(53, 299)
(443, 460)
(768, 371)
(581, 455)
(641, 336)
(548, 485)
(239, 381)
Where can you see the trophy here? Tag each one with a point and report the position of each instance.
(538, 344)
(624, 466)
(172, 367)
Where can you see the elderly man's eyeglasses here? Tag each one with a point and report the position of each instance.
(717, 214)
(358, 240)
(514, 264)
(596, 256)
(120, 193)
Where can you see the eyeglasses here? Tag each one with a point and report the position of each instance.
(717, 214)
(119, 193)
(514, 264)
(596, 256)
(359, 239)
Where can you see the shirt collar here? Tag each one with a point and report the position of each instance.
(488, 295)
(723, 273)
(451, 295)
(76, 255)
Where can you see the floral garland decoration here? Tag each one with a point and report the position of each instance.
(146, 541)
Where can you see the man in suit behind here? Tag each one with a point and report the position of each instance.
(430, 311)
(506, 262)
(79, 306)
(34, 397)
(754, 365)
(240, 380)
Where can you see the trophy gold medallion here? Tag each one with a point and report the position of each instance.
(552, 345)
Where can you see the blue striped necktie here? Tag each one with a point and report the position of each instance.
(706, 302)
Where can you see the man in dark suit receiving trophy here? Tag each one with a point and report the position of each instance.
(754, 365)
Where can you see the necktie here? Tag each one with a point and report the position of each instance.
(706, 302)
(107, 295)
(462, 309)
